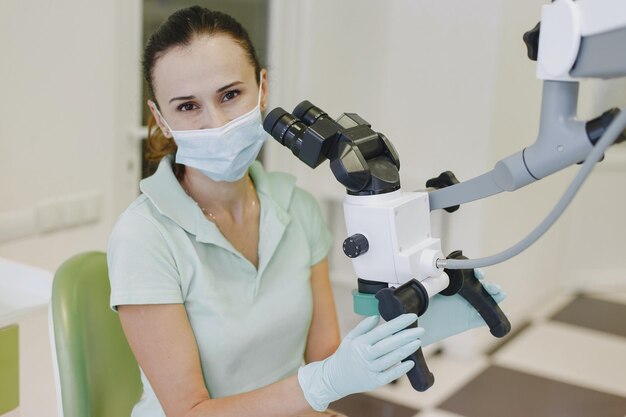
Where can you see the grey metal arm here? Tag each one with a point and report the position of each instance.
(562, 141)
(608, 138)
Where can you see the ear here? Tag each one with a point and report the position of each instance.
(159, 120)
(263, 89)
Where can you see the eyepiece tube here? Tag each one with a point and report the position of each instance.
(285, 128)
(270, 124)
(308, 112)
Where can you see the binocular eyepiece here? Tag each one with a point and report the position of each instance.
(364, 161)
(290, 130)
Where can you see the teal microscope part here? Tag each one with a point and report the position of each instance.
(365, 304)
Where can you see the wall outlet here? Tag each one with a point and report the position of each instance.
(17, 224)
(82, 209)
(51, 214)
(68, 211)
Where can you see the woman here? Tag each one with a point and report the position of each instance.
(218, 270)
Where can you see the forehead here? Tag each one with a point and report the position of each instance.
(209, 61)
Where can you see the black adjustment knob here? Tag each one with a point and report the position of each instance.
(595, 128)
(531, 39)
(355, 245)
(445, 179)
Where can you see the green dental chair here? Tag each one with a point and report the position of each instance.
(98, 373)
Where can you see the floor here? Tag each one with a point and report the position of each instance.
(569, 360)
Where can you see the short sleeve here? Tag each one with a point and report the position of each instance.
(142, 269)
(320, 238)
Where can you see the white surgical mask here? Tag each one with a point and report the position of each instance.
(224, 153)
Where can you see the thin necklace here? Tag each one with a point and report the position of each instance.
(207, 212)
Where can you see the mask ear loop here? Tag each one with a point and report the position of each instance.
(258, 103)
(163, 119)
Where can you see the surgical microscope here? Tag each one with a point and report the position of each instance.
(398, 262)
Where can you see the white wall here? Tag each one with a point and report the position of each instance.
(70, 82)
(450, 84)
(70, 87)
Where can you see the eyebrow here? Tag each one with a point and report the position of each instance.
(226, 87)
(183, 98)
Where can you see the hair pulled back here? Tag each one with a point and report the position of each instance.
(180, 29)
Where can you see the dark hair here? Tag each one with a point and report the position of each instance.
(180, 29)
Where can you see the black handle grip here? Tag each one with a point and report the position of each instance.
(473, 291)
(479, 298)
(410, 297)
(420, 376)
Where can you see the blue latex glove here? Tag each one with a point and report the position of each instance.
(449, 315)
(367, 358)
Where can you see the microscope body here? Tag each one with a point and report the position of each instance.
(390, 242)
(400, 244)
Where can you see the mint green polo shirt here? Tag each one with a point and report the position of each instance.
(250, 325)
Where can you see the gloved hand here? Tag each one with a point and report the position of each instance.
(367, 358)
(449, 315)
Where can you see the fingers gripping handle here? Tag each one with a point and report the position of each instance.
(410, 297)
(470, 288)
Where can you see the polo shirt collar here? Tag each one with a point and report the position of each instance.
(169, 198)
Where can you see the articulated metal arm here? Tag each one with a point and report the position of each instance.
(574, 40)
(563, 140)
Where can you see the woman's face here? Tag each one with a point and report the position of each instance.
(205, 84)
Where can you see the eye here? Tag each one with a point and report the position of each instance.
(187, 107)
(231, 94)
